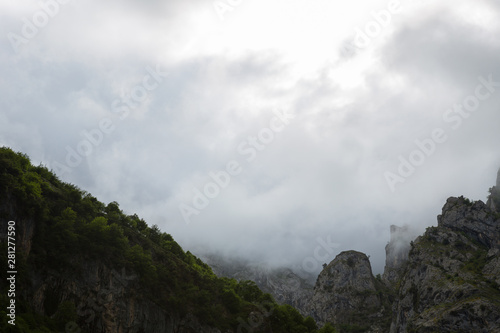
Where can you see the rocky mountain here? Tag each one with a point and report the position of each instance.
(446, 280)
(450, 282)
(494, 199)
(347, 295)
(83, 266)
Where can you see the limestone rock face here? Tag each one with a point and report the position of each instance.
(346, 293)
(475, 219)
(498, 179)
(108, 301)
(494, 199)
(25, 225)
(450, 283)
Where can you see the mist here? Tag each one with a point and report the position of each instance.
(312, 145)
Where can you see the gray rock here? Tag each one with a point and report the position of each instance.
(450, 282)
(107, 300)
(494, 198)
(346, 293)
(475, 219)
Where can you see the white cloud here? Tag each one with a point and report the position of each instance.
(321, 175)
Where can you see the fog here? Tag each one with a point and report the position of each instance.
(256, 129)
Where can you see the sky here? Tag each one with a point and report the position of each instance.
(279, 131)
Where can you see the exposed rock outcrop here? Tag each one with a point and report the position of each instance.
(346, 294)
(446, 280)
(494, 199)
(450, 283)
(114, 274)
(474, 218)
(107, 300)
(25, 225)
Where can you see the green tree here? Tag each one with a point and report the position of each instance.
(327, 328)
(310, 324)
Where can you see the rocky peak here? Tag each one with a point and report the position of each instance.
(498, 179)
(450, 282)
(494, 198)
(347, 294)
(350, 269)
(475, 219)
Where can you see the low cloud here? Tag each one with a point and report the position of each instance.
(322, 175)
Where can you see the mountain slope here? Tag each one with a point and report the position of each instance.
(83, 266)
(450, 283)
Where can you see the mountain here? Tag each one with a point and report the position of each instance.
(75, 264)
(446, 280)
(82, 266)
(451, 279)
(348, 295)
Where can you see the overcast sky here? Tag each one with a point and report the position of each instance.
(322, 121)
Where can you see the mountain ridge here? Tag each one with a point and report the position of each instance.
(83, 266)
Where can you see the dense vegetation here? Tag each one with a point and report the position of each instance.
(73, 228)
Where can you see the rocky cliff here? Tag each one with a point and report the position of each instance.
(106, 300)
(347, 295)
(446, 280)
(86, 267)
(450, 282)
(494, 199)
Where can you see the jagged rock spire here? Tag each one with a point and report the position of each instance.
(498, 179)
(493, 201)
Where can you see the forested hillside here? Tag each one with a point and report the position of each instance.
(85, 266)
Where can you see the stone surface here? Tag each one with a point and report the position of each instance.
(476, 219)
(450, 283)
(494, 198)
(25, 226)
(346, 293)
(446, 280)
